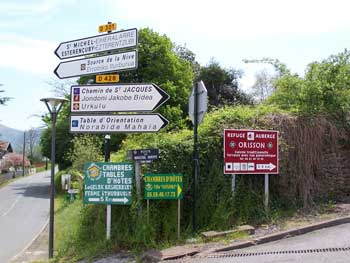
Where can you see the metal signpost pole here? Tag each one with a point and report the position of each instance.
(178, 217)
(266, 191)
(147, 211)
(233, 186)
(195, 156)
(138, 186)
(109, 207)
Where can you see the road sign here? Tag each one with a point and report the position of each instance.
(108, 183)
(109, 78)
(202, 102)
(117, 123)
(250, 152)
(107, 27)
(163, 186)
(122, 97)
(95, 44)
(95, 65)
(143, 155)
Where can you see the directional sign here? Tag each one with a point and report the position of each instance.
(143, 155)
(163, 186)
(117, 123)
(121, 97)
(108, 183)
(96, 44)
(250, 152)
(95, 65)
(202, 102)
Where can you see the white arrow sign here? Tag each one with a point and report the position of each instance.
(120, 200)
(121, 97)
(95, 44)
(265, 166)
(89, 66)
(117, 123)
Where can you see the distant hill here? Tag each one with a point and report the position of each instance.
(15, 137)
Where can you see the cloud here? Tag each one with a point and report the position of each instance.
(27, 54)
(224, 20)
(25, 7)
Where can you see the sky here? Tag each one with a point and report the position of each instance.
(296, 32)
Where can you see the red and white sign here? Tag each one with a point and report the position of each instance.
(250, 152)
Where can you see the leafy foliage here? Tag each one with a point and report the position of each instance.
(324, 89)
(222, 85)
(86, 148)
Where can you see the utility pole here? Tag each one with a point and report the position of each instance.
(24, 152)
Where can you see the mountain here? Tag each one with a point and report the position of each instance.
(15, 137)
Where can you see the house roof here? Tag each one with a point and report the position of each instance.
(5, 146)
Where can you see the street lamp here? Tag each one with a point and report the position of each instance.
(54, 105)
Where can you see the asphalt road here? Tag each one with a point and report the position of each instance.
(24, 210)
(326, 245)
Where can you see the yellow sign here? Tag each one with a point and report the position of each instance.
(107, 27)
(107, 78)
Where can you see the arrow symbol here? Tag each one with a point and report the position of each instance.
(179, 190)
(120, 200)
(73, 48)
(95, 65)
(111, 98)
(268, 166)
(117, 123)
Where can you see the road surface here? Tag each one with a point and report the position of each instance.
(322, 246)
(24, 210)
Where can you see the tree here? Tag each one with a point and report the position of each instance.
(16, 160)
(324, 89)
(86, 148)
(222, 85)
(32, 140)
(187, 55)
(263, 86)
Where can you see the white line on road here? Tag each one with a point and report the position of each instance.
(12, 206)
(15, 202)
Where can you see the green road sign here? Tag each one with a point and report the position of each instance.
(163, 186)
(108, 183)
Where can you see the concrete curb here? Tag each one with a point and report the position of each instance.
(285, 234)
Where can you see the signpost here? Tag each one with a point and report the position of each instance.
(95, 65)
(144, 155)
(164, 187)
(117, 123)
(122, 97)
(108, 183)
(96, 44)
(197, 108)
(251, 152)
